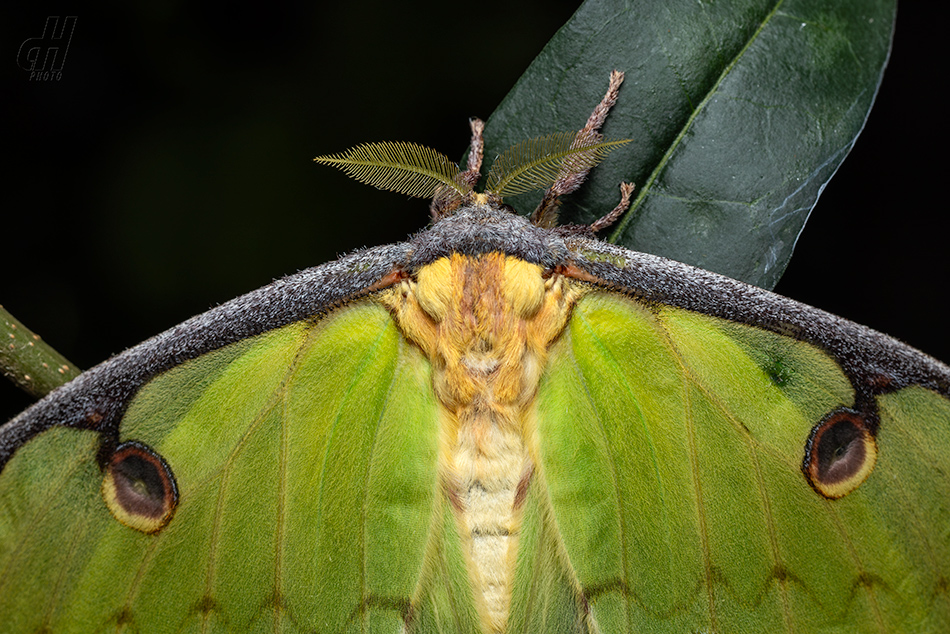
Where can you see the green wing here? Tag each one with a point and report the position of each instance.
(671, 447)
(288, 482)
(305, 467)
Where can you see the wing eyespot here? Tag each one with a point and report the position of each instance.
(840, 453)
(139, 488)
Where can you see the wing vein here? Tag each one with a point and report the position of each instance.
(751, 447)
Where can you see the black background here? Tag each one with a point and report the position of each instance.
(169, 169)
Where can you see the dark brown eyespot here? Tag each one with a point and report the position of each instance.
(839, 454)
(139, 488)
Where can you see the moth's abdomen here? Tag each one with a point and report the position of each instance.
(485, 322)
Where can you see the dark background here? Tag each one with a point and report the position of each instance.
(170, 168)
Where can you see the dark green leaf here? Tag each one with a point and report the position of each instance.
(739, 112)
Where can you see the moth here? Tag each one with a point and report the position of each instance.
(499, 425)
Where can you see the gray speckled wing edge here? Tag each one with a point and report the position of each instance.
(874, 362)
(98, 397)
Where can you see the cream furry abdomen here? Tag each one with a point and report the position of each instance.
(485, 322)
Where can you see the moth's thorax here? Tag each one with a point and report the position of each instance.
(485, 322)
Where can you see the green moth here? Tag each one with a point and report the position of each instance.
(497, 426)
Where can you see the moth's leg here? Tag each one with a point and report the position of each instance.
(546, 213)
(446, 201)
(476, 151)
(590, 133)
(626, 191)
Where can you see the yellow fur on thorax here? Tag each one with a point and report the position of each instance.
(485, 323)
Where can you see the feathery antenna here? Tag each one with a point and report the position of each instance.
(407, 168)
(560, 162)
